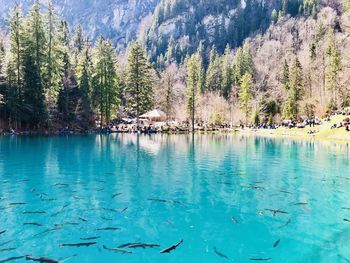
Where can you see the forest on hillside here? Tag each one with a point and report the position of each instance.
(265, 64)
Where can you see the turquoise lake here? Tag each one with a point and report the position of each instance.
(229, 198)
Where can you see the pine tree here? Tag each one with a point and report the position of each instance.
(15, 66)
(54, 60)
(192, 88)
(214, 73)
(78, 44)
(227, 72)
(333, 66)
(85, 84)
(296, 90)
(285, 75)
(200, 68)
(105, 80)
(33, 64)
(138, 82)
(245, 94)
(243, 63)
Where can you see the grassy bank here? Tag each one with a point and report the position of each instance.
(322, 132)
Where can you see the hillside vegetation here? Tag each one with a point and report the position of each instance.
(225, 62)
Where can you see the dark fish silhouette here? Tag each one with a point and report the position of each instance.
(234, 220)
(157, 200)
(346, 220)
(256, 187)
(2, 232)
(260, 259)
(346, 208)
(62, 185)
(48, 231)
(301, 203)
(220, 254)
(111, 210)
(82, 219)
(276, 211)
(142, 245)
(32, 223)
(66, 223)
(120, 250)
(5, 243)
(124, 210)
(89, 238)
(42, 259)
(11, 259)
(108, 228)
(106, 218)
(115, 195)
(286, 192)
(34, 212)
(164, 201)
(276, 243)
(169, 249)
(86, 244)
(287, 223)
(18, 203)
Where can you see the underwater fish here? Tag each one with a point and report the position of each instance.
(2, 232)
(18, 203)
(86, 244)
(169, 249)
(143, 245)
(276, 211)
(276, 243)
(34, 212)
(108, 228)
(301, 203)
(82, 219)
(47, 231)
(124, 210)
(260, 259)
(286, 192)
(220, 254)
(117, 250)
(32, 223)
(115, 195)
(89, 238)
(234, 220)
(42, 259)
(5, 243)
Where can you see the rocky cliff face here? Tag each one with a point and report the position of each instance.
(116, 19)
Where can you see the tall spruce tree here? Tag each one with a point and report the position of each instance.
(333, 67)
(192, 88)
(139, 93)
(245, 94)
(227, 72)
(33, 64)
(105, 80)
(15, 66)
(214, 73)
(284, 75)
(56, 51)
(295, 92)
(85, 70)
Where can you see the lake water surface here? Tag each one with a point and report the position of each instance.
(229, 198)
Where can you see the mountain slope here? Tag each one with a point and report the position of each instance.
(118, 20)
